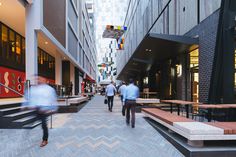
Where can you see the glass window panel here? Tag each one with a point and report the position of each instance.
(23, 51)
(12, 43)
(18, 48)
(4, 33)
(72, 16)
(194, 58)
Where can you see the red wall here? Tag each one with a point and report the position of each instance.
(13, 79)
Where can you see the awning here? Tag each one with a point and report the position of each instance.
(88, 78)
(155, 48)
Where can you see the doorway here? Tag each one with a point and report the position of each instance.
(194, 74)
(194, 84)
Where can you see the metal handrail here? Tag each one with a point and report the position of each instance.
(13, 90)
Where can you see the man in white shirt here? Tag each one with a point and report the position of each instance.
(130, 95)
(43, 99)
(121, 92)
(110, 92)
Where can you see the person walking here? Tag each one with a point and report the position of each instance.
(110, 92)
(42, 98)
(121, 91)
(131, 93)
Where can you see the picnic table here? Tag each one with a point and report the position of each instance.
(147, 94)
(179, 103)
(147, 101)
(211, 107)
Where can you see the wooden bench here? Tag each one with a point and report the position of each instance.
(71, 105)
(195, 132)
(229, 127)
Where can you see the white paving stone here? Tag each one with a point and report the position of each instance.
(198, 128)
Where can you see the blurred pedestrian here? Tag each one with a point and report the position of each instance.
(121, 91)
(131, 93)
(110, 92)
(42, 98)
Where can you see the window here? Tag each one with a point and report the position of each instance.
(23, 51)
(46, 64)
(12, 44)
(18, 49)
(194, 58)
(72, 43)
(12, 48)
(4, 35)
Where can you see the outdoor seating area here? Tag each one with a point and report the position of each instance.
(71, 104)
(195, 132)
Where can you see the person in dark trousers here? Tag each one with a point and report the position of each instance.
(121, 91)
(43, 118)
(70, 88)
(42, 98)
(131, 93)
(110, 92)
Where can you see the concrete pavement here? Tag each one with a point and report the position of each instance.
(92, 132)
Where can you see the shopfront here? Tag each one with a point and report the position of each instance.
(12, 62)
(194, 74)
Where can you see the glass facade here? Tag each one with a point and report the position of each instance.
(162, 17)
(46, 64)
(12, 53)
(194, 58)
(12, 50)
(194, 63)
(108, 13)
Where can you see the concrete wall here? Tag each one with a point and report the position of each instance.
(58, 70)
(54, 19)
(72, 77)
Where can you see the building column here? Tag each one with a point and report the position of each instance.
(58, 69)
(72, 77)
(33, 23)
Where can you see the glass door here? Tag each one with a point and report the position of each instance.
(194, 84)
(194, 61)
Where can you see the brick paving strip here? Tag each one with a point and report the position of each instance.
(92, 132)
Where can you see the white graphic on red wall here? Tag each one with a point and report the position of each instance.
(13, 79)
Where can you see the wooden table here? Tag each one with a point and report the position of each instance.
(179, 103)
(146, 94)
(147, 101)
(210, 107)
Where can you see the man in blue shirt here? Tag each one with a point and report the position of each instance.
(130, 95)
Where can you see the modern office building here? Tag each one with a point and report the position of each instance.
(107, 12)
(108, 71)
(181, 49)
(52, 39)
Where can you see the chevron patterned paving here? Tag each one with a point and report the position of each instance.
(92, 132)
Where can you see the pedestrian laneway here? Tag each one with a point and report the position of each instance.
(92, 132)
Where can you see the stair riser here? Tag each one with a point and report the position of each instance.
(20, 124)
(31, 127)
(9, 112)
(19, 116)
(9, 106)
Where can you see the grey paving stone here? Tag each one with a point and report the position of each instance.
(92, 132)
